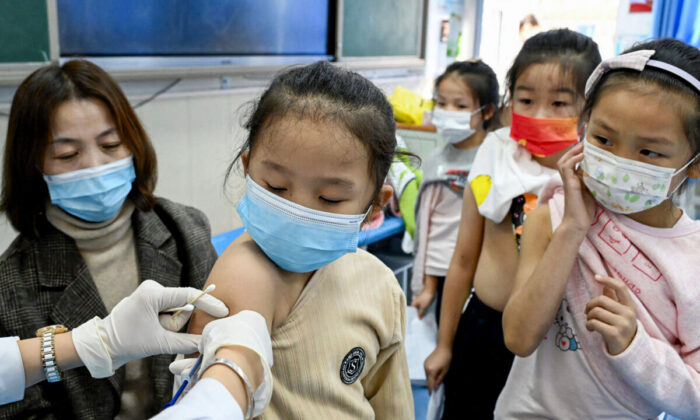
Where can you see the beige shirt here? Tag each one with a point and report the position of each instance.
(340, 353)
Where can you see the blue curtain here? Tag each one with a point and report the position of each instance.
(678, 19)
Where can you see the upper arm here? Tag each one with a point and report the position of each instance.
(537, 233)
(430, 197)
(387, 385)
(244, 280)
(199, 217)
(471, 230)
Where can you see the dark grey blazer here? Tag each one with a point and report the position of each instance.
(46, 281)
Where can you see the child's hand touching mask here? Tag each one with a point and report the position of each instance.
(580, 205)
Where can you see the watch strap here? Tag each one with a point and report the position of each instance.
(48, 352)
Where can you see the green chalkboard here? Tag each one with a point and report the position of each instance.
(24, 31)
(376, 28)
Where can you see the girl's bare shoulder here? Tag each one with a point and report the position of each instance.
(245, 279)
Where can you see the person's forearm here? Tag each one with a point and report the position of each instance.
(431, 283)
(458, 284)
(30, 349)
(531, 308)
(460, 275)
(249, 361)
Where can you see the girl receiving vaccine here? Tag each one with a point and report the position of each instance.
(321, 141)
(466, 101)
(545, 89)
(605, 305)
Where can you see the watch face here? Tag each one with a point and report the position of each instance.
(57, 329)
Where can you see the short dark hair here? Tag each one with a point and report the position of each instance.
(479, 78)
(323, 90)
(669, 51)
(576, 53)
(24, 192)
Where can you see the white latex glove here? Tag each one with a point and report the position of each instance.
(181, 367)
(135, 330)
(246, 329)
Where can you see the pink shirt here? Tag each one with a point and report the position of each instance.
(660, 370)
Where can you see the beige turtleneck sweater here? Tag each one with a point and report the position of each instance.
(107, 248)
(110, 255)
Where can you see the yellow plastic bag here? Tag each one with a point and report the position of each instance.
(409, 106)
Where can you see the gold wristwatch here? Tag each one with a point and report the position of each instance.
(48, 351)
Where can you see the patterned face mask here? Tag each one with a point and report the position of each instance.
(625, 185)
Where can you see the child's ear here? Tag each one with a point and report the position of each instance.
(383, 197)
(489, 112)
(244, 160)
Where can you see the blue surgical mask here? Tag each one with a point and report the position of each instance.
(93, 194)
(294, 237)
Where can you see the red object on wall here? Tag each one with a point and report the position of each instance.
(641, 6)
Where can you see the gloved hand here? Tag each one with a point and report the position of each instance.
(246, 329)
(135, 329)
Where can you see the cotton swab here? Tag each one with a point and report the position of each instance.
(209, 289)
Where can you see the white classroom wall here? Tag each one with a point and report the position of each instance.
(196, 135)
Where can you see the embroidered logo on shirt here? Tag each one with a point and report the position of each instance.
(352, 365)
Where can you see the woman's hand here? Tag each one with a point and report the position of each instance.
(613, 315)
(423, 301)
(135, 328)
(579, 207)
(436, 366)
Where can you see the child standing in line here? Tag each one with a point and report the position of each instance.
(606, 300)
(466, 102)
(545, 87)
(321, 140)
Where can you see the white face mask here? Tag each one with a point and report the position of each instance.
(454, 126)
(625, 185)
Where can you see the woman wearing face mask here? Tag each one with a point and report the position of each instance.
(467, 94)
(78, 181)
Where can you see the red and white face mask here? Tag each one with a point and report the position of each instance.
(544, 136)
